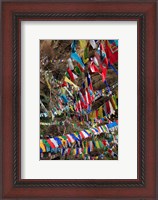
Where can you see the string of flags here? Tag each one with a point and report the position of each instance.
(108, 108)
(85, 149)
(69, 139)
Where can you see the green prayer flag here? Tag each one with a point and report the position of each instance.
(64, 137)
(85, 150)
(80, 156)
(101, 144)
(86, 53)
(67, 75)
(45, 142)
(78, 71)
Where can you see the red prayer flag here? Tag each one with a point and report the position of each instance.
(89, 97)
(50, 143)
(103, 73)
(70, 74)
(107, 107)
(68, 152)
(93, 68)
(112, 56)
(64, 84)
(104, 142)
(96, 114)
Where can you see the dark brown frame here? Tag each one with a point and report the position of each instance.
(144, 12)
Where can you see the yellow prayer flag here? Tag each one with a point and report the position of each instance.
(63, 141)
(115, 102)
(92, 115)
(97, 144)
(86, 144)
(71, 108)
(88, 131)
(62, 90)
(85, 60)
(74, 152)
(68, 81)
(48, 84)
(42, 146)
(100, 112)
(83, 44)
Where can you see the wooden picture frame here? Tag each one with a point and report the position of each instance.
(144, 187)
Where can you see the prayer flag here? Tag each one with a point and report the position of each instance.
(70, 82)
(78, 71)
(83, 44)
(58, 140)
(73, 45)
(103, 55)
(85, 56)
(54, 142)
(91, 145)
(74, 137)
(70, 74)
(51, 143)
(70, 64)
(104, 72)
(112, 56)
(93, 44)
(96, 61)
(70, 138)
(93, 68)
(107, 107)
(89, 82)
(42, 146)
(97, 145)
(100, 112)
(76, 57)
